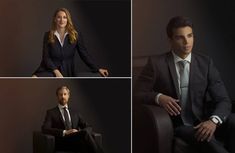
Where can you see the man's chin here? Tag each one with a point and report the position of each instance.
(187, 51)
(63, 103)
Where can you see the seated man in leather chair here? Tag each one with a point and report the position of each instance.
(70, 131)
(179, 81)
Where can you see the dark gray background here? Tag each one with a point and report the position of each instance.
(214, 23)
(105, 26)
(105, 104)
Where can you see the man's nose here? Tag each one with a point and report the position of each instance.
(186, 41)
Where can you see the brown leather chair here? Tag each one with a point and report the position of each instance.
(44, 143)
(153, 132)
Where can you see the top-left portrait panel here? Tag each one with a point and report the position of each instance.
(59, 38)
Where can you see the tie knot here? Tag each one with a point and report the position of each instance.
(182, 63)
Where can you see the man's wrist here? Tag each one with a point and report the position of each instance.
(215, 120)
(157, 98)
(64, 131)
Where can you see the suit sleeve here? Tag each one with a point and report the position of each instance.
(46, 55)
(218, 93)
(47, 126)
(82, 124)
(85, 56)
(143, 90)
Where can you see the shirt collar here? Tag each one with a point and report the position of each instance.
(62, 106)
(58, 35)
(177, 58)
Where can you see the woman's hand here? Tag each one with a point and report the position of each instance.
(103, 72)
(57, 73)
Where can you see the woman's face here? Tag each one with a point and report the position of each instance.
(61, 19)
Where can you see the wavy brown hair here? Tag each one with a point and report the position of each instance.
(73, 34)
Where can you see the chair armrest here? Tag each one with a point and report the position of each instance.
(159, 127)
(43, 143)
(98, 138)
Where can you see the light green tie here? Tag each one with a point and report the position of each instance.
(186, 113)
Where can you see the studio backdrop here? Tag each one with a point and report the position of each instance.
(105, 27)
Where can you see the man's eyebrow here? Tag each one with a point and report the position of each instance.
(183, 35)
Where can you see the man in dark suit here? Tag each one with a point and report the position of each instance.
(70, 131)
(181, 82)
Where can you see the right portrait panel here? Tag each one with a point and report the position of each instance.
(182, 79)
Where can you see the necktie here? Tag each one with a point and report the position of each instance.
(66, 119)
(186, 113)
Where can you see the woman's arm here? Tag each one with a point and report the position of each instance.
(85, 56)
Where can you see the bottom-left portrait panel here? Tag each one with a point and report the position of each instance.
(80, 115)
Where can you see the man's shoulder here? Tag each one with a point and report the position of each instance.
(165, 55)
(160, 57)
(201, 56)
(53, 109)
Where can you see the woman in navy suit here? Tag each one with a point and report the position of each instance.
(59, 47)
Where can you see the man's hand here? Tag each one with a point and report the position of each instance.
(169, 104)
(71, 131)
(205, 130)
(103, 72)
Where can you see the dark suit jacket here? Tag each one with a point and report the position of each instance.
(54, 124)
(159, 76)
(62, 58)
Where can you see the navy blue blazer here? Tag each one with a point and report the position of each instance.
(159, 76)
(54, 124)
(62, 58)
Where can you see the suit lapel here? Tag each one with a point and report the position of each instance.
(171, 65)
(193, 75)
(72, 116)
(66, 41)
(60, 116)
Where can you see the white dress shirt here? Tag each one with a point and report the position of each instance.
(56, 33)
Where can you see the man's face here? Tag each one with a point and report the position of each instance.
(63, 97)
(182, 41)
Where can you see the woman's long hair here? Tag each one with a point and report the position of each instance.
(73, 34)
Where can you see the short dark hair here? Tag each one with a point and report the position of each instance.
(177, 22)
(60, 88)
